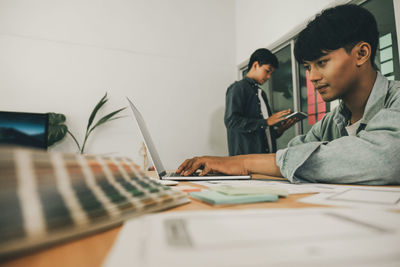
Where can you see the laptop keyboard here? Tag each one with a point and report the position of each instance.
(174, 174)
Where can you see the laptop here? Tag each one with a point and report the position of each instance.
(159, 167)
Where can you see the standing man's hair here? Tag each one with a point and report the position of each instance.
(342, 26)
(263, 56)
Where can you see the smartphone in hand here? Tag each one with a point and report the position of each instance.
(299, 115)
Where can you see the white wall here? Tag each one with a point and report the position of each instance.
(173, 58)
(260, 23)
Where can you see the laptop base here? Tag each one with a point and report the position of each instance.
(206, 178)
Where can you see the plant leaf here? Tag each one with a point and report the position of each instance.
(56, 118)
(76, 141)
(56, 128)
(116, 118)
(102, 101)
(106, 118)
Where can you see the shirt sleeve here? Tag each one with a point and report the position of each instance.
(371, 157)
(235, 112)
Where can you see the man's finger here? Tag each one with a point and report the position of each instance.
(189, 164)
(196, 164)
(206, 170)
(182, 166)
(283, 113)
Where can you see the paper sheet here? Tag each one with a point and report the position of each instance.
(278, 237)
(373, 197)
(291, 188)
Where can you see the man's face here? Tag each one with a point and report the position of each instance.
(334, 74)
(262, 73)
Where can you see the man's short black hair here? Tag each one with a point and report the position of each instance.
(342, 26)
(263, 56)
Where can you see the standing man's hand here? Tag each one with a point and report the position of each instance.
(286, 125)
(277, 117)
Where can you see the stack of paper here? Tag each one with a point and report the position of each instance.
(214, 197)
(250, 190)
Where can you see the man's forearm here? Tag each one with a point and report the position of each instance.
(261, 164)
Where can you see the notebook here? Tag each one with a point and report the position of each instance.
(159, 167)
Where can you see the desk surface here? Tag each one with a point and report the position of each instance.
(92, 250)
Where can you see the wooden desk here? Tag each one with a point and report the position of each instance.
(92, 250)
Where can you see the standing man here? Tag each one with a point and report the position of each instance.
(248, 118)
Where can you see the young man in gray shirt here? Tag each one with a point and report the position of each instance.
(338, 49)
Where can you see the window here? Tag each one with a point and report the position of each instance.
(387, 55)
(279, 90)
(310, 101)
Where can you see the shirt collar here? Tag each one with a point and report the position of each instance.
(252, 82)
(376, 102)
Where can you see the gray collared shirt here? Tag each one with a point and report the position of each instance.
(327, 154)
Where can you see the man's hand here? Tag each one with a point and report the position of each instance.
(226, 165)
(277, 117)
(286, 125)
(236, 165)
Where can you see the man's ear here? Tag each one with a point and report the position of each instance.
(363, 53)
(255, 64)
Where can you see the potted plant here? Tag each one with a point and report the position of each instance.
(58, 129)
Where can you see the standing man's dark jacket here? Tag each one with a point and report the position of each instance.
(244, 121)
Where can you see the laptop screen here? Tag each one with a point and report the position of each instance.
(147, 140)
(24, 129)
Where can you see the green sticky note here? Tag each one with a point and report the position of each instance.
(251, 190)
(214, 197)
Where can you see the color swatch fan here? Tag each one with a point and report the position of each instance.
(46, 196)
